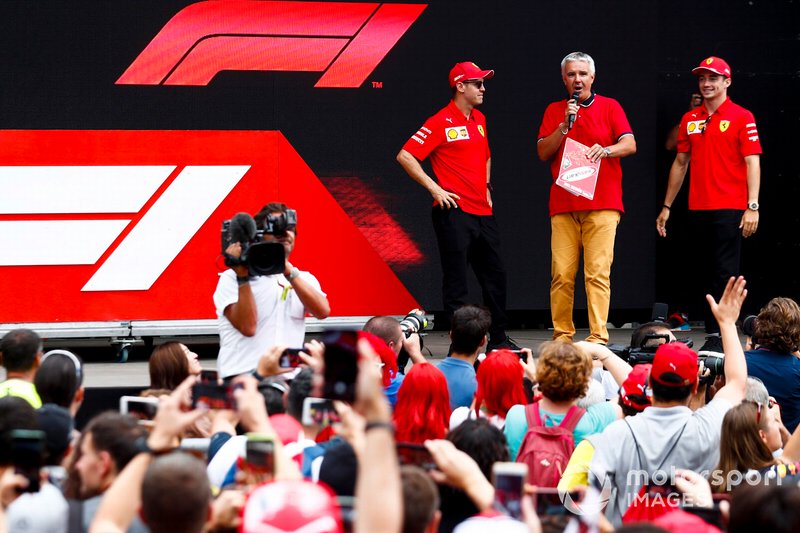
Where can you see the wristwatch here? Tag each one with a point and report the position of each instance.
(752, 205)
(607, 151)
(141, 446)
(293, 274)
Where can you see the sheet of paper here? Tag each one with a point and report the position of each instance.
(577, 174)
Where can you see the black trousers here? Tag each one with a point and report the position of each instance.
(719, 246)
(471, 240)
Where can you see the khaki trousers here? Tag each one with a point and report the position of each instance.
(592, 232)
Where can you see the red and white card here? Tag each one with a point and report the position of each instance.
(577, 173)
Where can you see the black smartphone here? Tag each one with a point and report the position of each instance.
(319, 411)
(209, 376)
(290, 358)
(550, 503)
(341, 365)
(661, 491)
(509, 483)
(213, 396)
(27, 455)
(415, 454)
(710, 515)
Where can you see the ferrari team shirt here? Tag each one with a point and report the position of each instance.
(458, 149)
(718, 144)
(600, 121)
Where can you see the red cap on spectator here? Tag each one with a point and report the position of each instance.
(287, 428)
(715, 65)
(675, 365)
(291, 506)
(387, 355)
(633, 388)
(468, 71)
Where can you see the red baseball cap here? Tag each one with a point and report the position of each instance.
(715, 65)
(468, 70)
(291, 506)
(633, 393)
(674, 365)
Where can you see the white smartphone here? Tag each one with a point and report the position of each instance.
(509, 485)
(143, 409)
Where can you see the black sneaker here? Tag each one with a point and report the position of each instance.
(505, 344)
(712, 347)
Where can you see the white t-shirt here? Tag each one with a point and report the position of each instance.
(460, 414)
(281, 320)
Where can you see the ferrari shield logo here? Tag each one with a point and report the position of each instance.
(723, 125)
(480, 130)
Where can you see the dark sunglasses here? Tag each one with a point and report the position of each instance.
(476, 83)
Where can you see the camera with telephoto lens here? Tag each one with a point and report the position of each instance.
(749, 327)
(261, 258)
(414, 322)
(646, 351)
(710, 368)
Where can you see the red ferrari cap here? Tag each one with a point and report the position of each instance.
(468, 71)
(715, 65)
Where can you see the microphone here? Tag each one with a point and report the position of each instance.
(575, 96)
(242, 228)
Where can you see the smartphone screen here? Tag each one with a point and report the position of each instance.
(209, 376)
(27, 455)
(509, 483)
(320, 412)
(416, 455)
(141, 409)
(290, 358)
(259, 460)
(341, 365)
(549, 502)
(212, 396)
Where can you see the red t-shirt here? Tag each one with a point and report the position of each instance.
(718, 176)
(458, 149)
(600, 121)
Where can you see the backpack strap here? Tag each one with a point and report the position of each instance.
(75, 516)
(669, 452)
(570, 421)
(532, 415)
(572, 418)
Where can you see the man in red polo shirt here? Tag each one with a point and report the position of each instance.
(721, 140)
(466, 230)
(577, 223)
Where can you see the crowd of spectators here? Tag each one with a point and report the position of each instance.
(268, 461)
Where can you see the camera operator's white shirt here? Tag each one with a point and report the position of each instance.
(281, 320)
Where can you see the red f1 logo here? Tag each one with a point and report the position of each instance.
(345, 40)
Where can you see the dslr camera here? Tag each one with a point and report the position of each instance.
(646, 351)
(414, 322)
(261, 258)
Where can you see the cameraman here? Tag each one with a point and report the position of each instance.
(774, 359)
(257, 312)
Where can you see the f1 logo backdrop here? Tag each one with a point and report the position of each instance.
(126, 224)
(345, 40)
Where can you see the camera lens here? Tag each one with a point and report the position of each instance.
(266, 258)
(749, 325)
